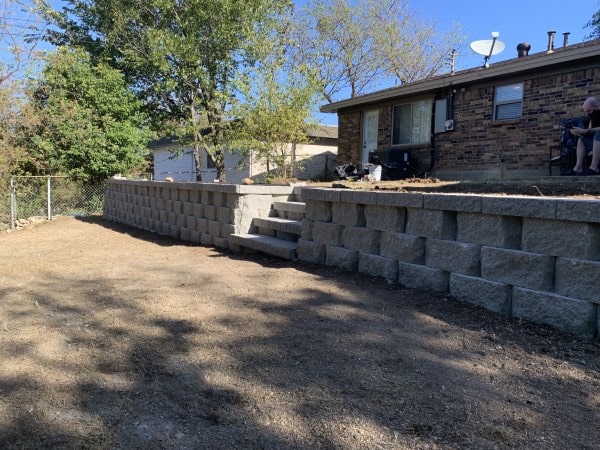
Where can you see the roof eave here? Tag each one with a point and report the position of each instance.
(503, 69)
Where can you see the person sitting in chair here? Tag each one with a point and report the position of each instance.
(589, 139)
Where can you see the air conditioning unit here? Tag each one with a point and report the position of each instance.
(449, 125)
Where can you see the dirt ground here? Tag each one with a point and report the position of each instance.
(569, 187)
(114, 338)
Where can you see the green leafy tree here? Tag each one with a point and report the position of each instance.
(90, 126)
(276, 114)
(594, 24)
(356, 45)
(187, 60)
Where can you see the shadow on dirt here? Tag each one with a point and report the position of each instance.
(332, 360)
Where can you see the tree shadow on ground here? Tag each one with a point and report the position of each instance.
(97, 359)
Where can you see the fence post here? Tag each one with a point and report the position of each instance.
(13, 204)
(48, 183)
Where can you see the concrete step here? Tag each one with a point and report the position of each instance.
(265, 244)
(289, 210)
(278, 227)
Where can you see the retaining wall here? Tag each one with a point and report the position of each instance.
(530, 257)
(203, 213)
(535, 258)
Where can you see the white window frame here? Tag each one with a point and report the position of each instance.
(422, 129)
(510, 98)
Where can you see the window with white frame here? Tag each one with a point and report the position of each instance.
(508, 102)
(412, 123)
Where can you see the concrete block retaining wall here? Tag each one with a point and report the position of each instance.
(203, 213)
(535, 258)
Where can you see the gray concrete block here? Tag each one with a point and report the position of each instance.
(431, 223)
(206, 240)
(312, 252)
(224, 215)
(307, 230)
(214, 228)
(452, 202)
(320, 195)
(210, 212)
(378, 266)
(490, 295)
(318, 211)
(185, 234)
(220, 242)
(578, 210)
(184, 195)
(523, 269)
(341, 257)
(202, 225)
(190, 222)
(361, 239)
(422, 277)
(350, 214)
(327, 233)
(399, 199)
(489, 230)
(385, 218)
(402, 247)
(177, 207)
(561, 238)
(579, 279)
(206, 198)
(198, 210)
(571, 315)
(194, 196)
(253, 202)
(358, 196)
(453, 256)
(544, 208)
(227, 230)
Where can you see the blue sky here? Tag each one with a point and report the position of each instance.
(516, 20)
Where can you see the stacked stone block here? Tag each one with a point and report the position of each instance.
(202, 213)
(535, 258)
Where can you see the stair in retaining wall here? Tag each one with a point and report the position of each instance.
(277, 234)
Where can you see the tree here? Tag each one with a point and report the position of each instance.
(90, 126)
(276, 113)
(185, 59)
(358, 44)
(594, 24)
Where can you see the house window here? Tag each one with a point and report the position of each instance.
(508, 102)
(412, 123)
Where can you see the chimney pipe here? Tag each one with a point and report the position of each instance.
(523, 49)
(550, 41)
(566, 39)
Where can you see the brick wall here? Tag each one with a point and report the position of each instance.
(349, 132)
(477, 142)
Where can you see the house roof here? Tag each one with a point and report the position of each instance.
(323, 131)
(579, 53)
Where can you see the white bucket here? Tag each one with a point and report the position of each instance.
(375, 171)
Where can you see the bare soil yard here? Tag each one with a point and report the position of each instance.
(115, 338)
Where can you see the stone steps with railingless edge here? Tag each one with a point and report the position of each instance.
(276, 235)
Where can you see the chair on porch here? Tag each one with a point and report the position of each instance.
(563, 155)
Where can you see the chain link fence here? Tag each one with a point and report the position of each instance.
(30, 198)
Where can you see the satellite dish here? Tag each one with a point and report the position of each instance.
(488, 47)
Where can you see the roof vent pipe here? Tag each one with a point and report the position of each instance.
(566, 39)
(523, 49)
(550, 41)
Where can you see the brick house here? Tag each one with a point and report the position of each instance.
(480, 123)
